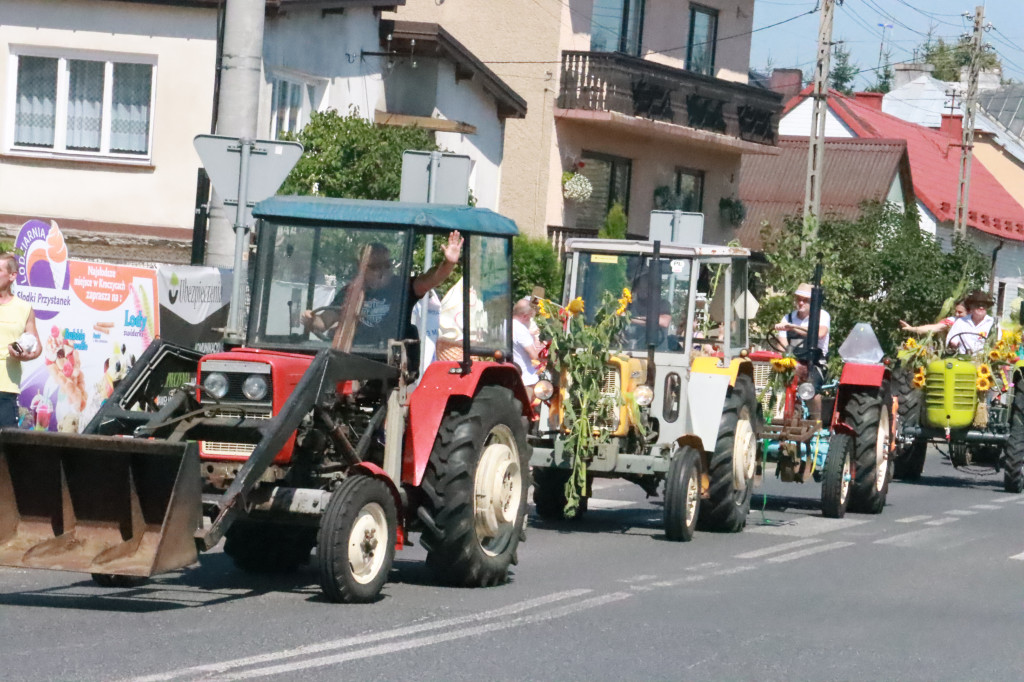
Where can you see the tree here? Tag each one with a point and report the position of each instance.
(879, 268)
(614, 223)
(883, 77)
(843, 72)
(348, 156)
(949, 58)
(535, 264)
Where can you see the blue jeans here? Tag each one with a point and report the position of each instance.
(8, 409)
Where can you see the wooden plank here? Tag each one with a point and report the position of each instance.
(426, 122)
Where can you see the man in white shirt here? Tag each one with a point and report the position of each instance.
(793, 327)
(525, 348)
(968, 333)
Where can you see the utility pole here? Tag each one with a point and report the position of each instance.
(238, 107)
(819, 99)
(970, 105)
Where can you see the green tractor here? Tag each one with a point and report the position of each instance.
(976, 410)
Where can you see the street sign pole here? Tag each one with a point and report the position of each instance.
(234, 330)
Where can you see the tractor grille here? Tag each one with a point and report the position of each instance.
(216, 448)
(963, 391)
(763, 375)
(610, 382)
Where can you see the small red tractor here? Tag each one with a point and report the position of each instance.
(300, 438)
(849, 449)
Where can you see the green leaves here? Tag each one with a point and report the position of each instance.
(535, 263)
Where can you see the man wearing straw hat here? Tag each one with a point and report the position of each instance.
(968, 333)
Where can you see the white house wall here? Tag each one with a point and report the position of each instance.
(798, 122)
(183, 43)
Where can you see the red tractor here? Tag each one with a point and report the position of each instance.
(322, 435)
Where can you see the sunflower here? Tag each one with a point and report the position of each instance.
(919, 380)
(575, 307)
(984, 371)
(779, 365)
(624, 301)
(910, 344)
(542, 310)
(994, 355)
(983, 384)
(627, 295)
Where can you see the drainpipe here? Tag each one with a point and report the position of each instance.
(237, 108)
(992, 278)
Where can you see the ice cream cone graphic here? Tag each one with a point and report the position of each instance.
(57, 255)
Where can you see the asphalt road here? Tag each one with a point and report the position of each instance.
(931, 589)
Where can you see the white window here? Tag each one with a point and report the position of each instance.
(82, 104)
(294, 97)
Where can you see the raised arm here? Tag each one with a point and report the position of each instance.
(439, 273)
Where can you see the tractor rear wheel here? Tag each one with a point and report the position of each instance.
(733, 462)
(908, 458)
(356, 543)
(473, 506)
(836, 479)
(868, 414)
(549, 494)
(1013, 454)
(258, 547)
(682, 494)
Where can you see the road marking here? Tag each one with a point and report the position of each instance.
(914, 519)
(941, 522)
(800, 554)
(695, 578)
(363, 639)
(912, 539)
(757, 553)
(806, 526)
(637, 579)
(1019, 557)
(1007, 498)
(419, 642)
(985, 506)
(961, 512)
(734, 570)
(1019, 501)
(600, 503)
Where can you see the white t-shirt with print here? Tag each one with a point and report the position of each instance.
(824, 320)
(521, 340)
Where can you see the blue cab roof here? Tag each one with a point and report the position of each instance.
(466, 219)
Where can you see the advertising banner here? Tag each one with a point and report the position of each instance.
(194, 303)
(93, 320)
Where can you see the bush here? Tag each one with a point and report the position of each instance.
(535, 263)
(879, 268)
(614, 223)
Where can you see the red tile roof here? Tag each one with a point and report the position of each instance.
(856, 170)
(935, 162)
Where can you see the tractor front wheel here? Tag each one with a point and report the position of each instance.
(868, 416)
(473, 506)
(356, 543)
(733, 462)
(1013, 455)
(682, 494)
(836, 479)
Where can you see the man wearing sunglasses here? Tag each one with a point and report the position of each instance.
(968, 333)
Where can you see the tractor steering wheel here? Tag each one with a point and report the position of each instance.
(636, 337)
(958, 349)
(328, 333)
(774, 344)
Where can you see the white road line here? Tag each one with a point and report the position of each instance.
(1020, 501)
(807, 552)
(735, 569)
(961, 512)
(911, 539)
(941, 522)
(1007, 498)
(430, 640)
(600, 503)
(695, 578)
(807, 526)
(636, 579)
(985, 506)
(362, 639)
(758, 553)
(913, 519)
(1019, 557)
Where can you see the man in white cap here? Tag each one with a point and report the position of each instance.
(793, 327)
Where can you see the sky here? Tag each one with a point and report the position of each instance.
(856, 23)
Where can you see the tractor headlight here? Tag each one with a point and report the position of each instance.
(644, 395)
(805, 391)
(254, 387)
(543, 389)
(216, 384)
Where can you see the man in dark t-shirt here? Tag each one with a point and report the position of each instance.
(382, 292)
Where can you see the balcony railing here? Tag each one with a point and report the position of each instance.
(612, 81)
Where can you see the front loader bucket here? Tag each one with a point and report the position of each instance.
(98, 504)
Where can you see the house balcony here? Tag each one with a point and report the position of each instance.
(617, 91)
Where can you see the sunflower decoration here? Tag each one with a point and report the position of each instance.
(624, 301)
(575, 306)
(920, 377)
(984, 381)
(910, 344)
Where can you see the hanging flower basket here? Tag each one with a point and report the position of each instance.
(576, 187)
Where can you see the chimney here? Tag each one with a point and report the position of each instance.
(953, 127)
(872, 100)
(787, 82)
(908, 71)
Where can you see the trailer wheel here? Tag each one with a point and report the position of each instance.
(474, 490)
(867, 414)
(259, 547)
(120, 581)
(356, 543)
(1013, 454)
(682, 494)
(837, 477)
(733, 462)
(549, 494)
(908, 458)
